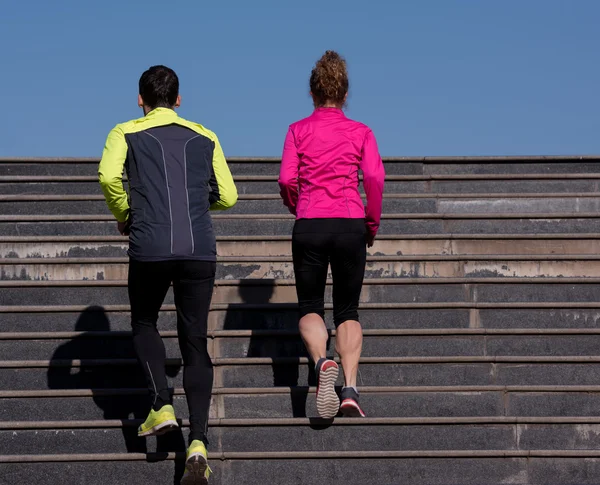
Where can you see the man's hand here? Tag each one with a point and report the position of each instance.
(123, 227)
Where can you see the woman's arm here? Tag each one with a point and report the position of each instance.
(373, 181)
(288, 173)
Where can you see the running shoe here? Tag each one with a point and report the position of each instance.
(349, 407)
(328, 403)
(197, 470)
(159, 422)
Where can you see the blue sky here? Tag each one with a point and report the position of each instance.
(431, 77)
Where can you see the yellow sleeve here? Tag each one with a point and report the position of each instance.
(224, 190)
(110, 174)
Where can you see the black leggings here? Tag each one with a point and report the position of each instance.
(317, 243)
(193, 283)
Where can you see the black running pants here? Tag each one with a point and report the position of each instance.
(319, 243)
(193, 283)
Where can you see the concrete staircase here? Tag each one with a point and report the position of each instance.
(481, 360)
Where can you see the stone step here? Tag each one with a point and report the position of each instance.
(304, 435)
(238, 166)
(420, 316)
(257, 205)
(474, 245)
(532, 316)
(297, 402)
(526, 467)
(448, 266)
(425, 187)
(391, 177)
(282, 225)
(375, 290)
(282, 344)
(424, 372)
(271, 204)
(281, 402)
(396, 165)
(286, 372)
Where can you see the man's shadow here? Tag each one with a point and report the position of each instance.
(120, 395)
(263, 319)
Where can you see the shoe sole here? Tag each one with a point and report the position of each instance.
(351, 410)
(328, 403)
(196, 465)
(160, 429)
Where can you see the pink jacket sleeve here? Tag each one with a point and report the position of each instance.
(373, 181)
(288, 173)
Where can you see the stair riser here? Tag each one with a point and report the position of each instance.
(301, 438)
(451, 374)
(269, 206)
(373, 346)
(267, 270)
(390, 206)
(382, 247)
(100, 473)
(448, 374)
(463, 471)
(415, 405)
(398, 167)
(300, 403)
(266, 228)
(124, 440)
(385, 247)
(371, 293)
(425, 346)
(243, 187)
(237, 168)
(240, 319)
(404, 187)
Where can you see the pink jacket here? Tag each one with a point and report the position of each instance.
(321, 158)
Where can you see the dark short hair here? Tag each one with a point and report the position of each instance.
(159, 87)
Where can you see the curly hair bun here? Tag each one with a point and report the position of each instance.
(329, 80)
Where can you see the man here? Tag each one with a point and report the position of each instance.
(177, 173)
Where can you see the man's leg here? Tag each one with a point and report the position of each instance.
(193, 288)
(148, 285)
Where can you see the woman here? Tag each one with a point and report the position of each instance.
(319, 183)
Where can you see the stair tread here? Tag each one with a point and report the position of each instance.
(243, 361)
(289, 259)
(7, 394)
(307, 421)
(294, 455)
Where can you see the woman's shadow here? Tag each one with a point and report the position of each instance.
(262, 318)
(119, 395)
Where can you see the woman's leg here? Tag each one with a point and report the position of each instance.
(315, 336)
(348, 344)
(311, 261)
(348, 262)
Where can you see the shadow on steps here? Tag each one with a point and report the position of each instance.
(94, 319)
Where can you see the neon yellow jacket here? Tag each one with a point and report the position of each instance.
(176, 172)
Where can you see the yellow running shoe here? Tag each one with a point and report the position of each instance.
(159, 422)
(197, 470)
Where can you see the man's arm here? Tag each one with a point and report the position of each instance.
(110, 174)
(223, 191)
